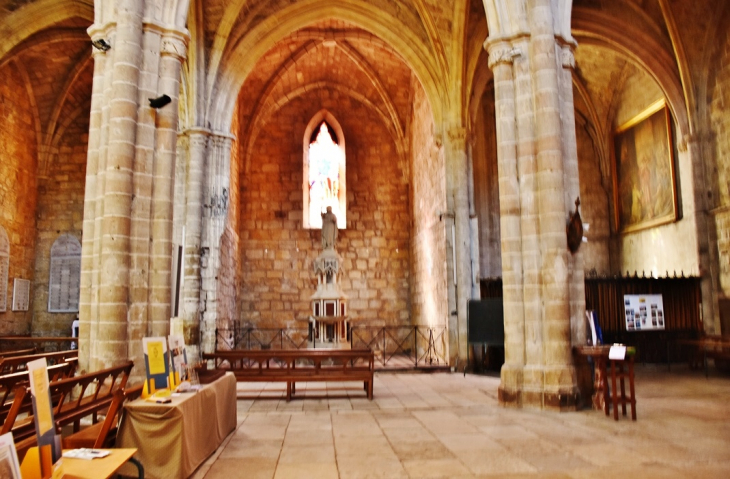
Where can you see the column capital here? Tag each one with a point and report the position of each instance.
(567, 57)
(100, 32)
(456, 135)
(501, 53)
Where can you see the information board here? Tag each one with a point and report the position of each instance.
(644, 312)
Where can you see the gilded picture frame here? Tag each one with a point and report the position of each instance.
(645, 192)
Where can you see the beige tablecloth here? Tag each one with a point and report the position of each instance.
(174, 439)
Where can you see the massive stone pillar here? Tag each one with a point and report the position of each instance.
(555, 371)
(500, 61)
(537, 174)
(111, 340)
(172, 52)
(215, 214)
(92, 184)
(576, 266)
(194, 190)
(127, 251)
(459, 191)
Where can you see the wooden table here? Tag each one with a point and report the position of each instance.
(174, 439)
(100, 468)
(599, 355)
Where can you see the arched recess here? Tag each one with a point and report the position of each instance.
(317, 120)
(596, 28)
(36, 17)
(230, 69)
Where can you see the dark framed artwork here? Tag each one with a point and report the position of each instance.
(645, 193)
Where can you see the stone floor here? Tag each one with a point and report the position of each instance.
(451, 426)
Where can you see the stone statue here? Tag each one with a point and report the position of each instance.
(329, 229)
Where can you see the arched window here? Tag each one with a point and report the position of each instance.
(4, 262)
(324, 171)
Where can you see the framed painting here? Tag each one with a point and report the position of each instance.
(645, 193)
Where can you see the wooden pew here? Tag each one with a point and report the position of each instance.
(73, 399)
(301, 365)
(17, 352)
(9, 382)
(103, 433)
(19, 363)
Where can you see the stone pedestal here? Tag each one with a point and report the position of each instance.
(328, 324)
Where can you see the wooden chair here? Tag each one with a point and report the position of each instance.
(103, 433)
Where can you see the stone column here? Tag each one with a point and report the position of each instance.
(576, 267)
(500, 61)
(195, 182)
(107, 94)
(558, 374)
(459, 189)
(172, 51)
(215, 213)
(92, 167)
(111, 341)
(707, 248)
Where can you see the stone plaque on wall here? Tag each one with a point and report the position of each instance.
(21, 294)
(4, 262)
(65, 275)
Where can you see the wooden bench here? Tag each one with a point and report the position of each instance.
(17, 352)
(14, 364)
(73, 399)
(9, 382)
(103, 434)
(301, 365)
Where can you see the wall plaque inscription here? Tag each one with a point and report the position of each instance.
(21, 294)
(65, 275)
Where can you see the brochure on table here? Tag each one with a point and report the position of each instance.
(9, 465)
(156, 362)
(179, 357)
(644, 312)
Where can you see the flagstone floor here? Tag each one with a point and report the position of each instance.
(447, 425)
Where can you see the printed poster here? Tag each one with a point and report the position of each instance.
(644, 312)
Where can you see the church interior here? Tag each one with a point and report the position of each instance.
(166, 165)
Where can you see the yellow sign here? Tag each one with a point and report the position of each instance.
(42, 401)
(156, 357)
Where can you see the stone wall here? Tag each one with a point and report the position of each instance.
(18, 189)
(60, 210)
(428, 240)
(277, 253)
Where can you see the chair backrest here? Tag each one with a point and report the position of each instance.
(107, 433)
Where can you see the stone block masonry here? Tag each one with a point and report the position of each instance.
(277, 253)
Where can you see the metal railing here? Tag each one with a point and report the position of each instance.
(403, 346)
(394, 346)
(262, 338)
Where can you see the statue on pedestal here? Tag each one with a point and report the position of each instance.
(329, 229)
